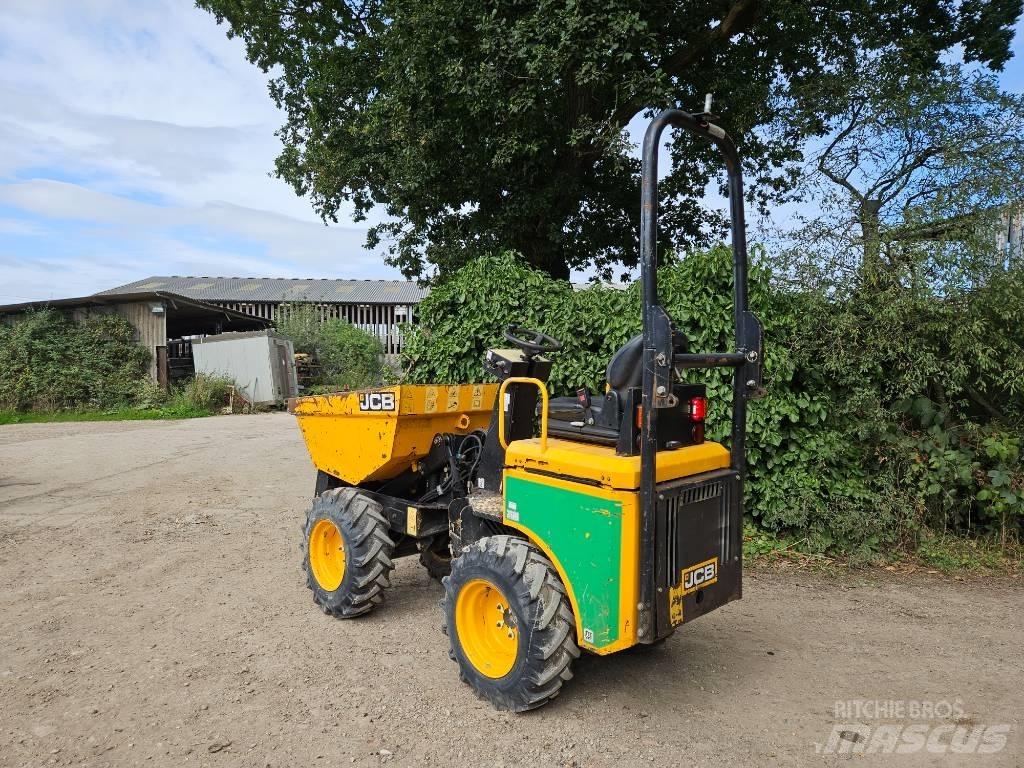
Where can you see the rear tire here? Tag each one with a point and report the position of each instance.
(346, 552)
(509, 622)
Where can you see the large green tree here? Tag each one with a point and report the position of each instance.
(474, 125)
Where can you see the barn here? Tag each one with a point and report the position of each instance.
(163, 322)
(377, 306)
(170, 312)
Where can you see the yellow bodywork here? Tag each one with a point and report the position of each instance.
(613, 482)
(376, 434)
(599, 464)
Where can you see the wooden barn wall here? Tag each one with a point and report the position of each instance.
(382, 320)
(151, 328)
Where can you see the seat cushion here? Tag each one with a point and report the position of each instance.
(569, 408)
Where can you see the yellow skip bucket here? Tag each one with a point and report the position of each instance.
(376, 434)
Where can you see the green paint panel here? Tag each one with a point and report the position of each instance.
(584, 533)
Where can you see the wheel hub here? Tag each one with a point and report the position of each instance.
(487, 628)
(327, 555)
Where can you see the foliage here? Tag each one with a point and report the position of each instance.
(301, 323)
(955, 553)
(477, 126)
(170, 411)
(55, 369)
(202, 392)
(854, 447)
(761, 546)
(202, 395)
(345, 357)
(49, 362)
(912, 174)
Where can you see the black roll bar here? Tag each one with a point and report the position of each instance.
(658, 358)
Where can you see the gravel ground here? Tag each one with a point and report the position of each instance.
(153, 612)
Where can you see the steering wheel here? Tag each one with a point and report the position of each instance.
(530, 341)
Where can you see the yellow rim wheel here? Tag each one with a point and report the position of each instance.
(327, 555)
(487, 628)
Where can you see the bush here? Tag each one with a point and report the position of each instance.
(345, 357)
(842, 452)
(48, 362)
(203, 392)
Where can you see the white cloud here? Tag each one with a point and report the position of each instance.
(110, 103)
(309, 244)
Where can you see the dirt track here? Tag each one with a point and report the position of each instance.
(153, 612)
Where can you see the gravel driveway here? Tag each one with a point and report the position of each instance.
(153, 612)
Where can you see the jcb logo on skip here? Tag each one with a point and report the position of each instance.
(377, 401)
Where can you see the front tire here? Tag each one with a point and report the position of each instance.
(509, 622)
(347, 552)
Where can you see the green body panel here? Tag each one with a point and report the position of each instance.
(584, 534)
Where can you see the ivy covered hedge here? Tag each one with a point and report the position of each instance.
(48, 362)
(887, 412)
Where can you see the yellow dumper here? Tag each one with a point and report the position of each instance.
(590, 523)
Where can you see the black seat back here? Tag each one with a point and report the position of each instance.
(625, 369)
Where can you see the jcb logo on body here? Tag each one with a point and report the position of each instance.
(691, 579)
(376, 401)
(701, 575)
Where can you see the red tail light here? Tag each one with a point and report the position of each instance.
(698, 408)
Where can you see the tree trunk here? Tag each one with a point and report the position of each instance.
(546, 256)
(870, 228)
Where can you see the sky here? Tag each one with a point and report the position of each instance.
(136, 139)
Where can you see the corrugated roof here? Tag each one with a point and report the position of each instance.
(277, 289)
(178, 303)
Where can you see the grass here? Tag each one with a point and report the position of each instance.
(767, 548)
(175, 411)
(951, 554)
(202, 395)
(947, 554)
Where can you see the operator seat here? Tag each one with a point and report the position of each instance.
(624, 370)
(603, 419)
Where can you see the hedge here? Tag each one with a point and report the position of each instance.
(871, 430)
(345, 356)
(49, 362)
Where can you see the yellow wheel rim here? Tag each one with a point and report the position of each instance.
(487, 628)
(327, 555)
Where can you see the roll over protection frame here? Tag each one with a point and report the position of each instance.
(658, 358)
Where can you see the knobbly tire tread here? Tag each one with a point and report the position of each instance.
(368, 551)
(435, 556)
(547, 629)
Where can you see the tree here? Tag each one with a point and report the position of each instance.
(479, 126)
(918, 165)
(344, 356)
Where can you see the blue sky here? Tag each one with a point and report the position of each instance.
(135, 139)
